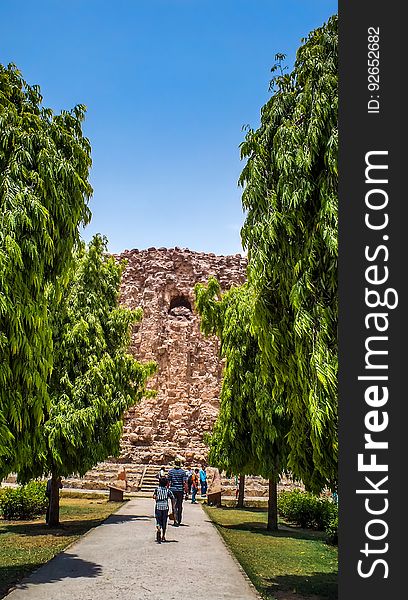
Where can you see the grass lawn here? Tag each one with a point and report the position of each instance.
(291, 564)
(26, 545)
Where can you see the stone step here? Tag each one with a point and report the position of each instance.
(100, 477)
(150, 480)
(148, 488)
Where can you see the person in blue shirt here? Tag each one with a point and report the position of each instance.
(203, 480)
(177, 478)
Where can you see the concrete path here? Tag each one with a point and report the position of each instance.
(120, 559)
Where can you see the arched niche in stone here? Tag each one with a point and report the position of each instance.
(180, 307)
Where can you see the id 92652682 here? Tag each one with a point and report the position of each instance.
(373, 70)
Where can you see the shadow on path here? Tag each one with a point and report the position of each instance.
(67, 566)
(120, 518)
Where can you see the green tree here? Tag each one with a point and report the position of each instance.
(249, 435)
(94, 378)
(290, 198)
(44, 193)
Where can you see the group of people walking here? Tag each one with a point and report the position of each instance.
(177, 484)
(196, 479)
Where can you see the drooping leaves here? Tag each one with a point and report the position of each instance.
(44, 193)
(290, 198)
(94, 378)
(249, 436)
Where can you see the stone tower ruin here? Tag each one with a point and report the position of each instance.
(161, 281)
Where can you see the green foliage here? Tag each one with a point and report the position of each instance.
(24, 502)
(290, 198)
(332, 527)
(94, 378)
(306, 509)
(44, 193)
(249, 433)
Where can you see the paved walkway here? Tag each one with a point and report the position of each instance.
(121, 560)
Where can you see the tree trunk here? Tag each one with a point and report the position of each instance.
(53, 520)
(241, 492)
(273, 505)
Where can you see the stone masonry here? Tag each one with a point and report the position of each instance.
(161, 281)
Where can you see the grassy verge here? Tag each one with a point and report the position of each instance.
(289, 564)
(26, 545)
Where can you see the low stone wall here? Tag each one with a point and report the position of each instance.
(100, 477)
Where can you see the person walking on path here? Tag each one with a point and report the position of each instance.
(203, 480)
(194, 486)
(162, 473)
(189, 474)
(162, 495)
(178, 484)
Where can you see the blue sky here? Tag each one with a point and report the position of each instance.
(168, 85)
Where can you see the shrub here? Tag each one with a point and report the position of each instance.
(332, 526)
(305, 509)
(24, 502)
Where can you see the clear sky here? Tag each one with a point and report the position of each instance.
(168, 85)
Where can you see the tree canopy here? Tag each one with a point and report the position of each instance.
(290, 198)
(44, 193)
(94, 379)
(250, 434)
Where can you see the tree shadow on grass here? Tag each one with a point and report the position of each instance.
(315, 586)
(284, 531)
(253, 509)
(69, 527)
(11, 573)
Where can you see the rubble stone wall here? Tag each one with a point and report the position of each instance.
(161, 281)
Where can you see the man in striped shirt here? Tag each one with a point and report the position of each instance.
(178, 485)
